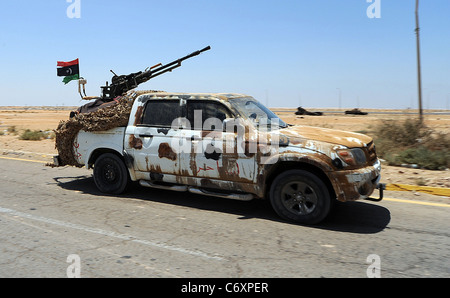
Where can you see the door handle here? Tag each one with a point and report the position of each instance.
(146, 136)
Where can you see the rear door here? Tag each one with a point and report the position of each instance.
(153, 135)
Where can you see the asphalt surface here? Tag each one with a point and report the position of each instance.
(53, 220)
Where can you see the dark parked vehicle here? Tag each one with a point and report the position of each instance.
(355, 111)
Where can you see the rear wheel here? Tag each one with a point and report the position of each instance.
(110, 174)
(300, 196)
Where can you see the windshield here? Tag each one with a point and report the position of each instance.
(253, 110)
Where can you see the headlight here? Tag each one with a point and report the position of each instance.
(353, 157)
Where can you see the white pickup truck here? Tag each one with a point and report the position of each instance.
(231, 146)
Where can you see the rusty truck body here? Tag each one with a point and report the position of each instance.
(231, 146)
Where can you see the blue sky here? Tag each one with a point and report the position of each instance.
(284, 53)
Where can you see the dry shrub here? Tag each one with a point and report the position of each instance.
(407, 133)
(412, 142)
(36, 135)
(32, 135)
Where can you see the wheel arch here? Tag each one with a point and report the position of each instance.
(99, 151)
(314, 167)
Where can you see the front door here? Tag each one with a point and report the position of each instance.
(209, 156)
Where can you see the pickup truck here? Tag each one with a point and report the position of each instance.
(231, 146)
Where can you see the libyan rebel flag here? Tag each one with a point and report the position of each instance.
(69, 70)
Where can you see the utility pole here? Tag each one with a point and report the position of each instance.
(419, 76)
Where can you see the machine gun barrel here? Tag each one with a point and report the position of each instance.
(150, 74)
(121, 84)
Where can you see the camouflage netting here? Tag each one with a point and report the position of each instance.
(103, 119)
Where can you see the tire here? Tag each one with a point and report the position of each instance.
(300, 196)
(110, 174)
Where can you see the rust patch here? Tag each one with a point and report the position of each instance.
(138, 115)
(135, 143)
(206, 183)
(349, 139)
(193, 164)
(151, 167)
(247, 150)
(165, 151)
(211, 134)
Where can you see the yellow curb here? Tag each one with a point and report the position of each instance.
(438, 191)
(22, 159)
(417, 202)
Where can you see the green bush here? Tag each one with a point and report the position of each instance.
(32, 135)
(425, 158)
(407, 133)
(412, 142)
(36, 135)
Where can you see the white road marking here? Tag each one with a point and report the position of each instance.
(109, 234)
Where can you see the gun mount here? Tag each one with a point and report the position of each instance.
(123, 83)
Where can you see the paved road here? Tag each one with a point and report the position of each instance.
(49, 217)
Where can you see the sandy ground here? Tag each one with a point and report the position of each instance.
(46, 118)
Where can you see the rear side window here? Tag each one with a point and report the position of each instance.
(161, 112)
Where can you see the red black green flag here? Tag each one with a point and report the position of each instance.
(69, 70)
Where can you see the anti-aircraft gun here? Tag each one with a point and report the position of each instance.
(123, 83)
(120, 84)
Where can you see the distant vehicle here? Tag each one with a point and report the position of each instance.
(355, 111)
(302, 111)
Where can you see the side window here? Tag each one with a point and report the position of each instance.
(211, 110)
(161, 112)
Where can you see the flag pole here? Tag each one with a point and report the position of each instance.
(82, 81)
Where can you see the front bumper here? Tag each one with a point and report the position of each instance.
(381, 187)
(351, 185)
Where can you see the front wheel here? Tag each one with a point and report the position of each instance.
(300, 196)
(110, 174)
